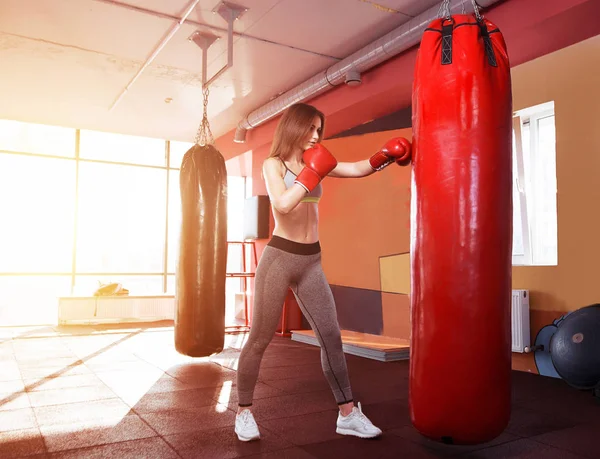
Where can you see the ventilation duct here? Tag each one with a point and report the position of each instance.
(398, 40)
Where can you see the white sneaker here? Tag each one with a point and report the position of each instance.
(357, 424)
(246, 427)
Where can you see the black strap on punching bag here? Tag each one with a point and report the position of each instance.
(446, 54)
(200, 294)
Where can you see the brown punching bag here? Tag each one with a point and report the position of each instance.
(200, 294)
(461, 235)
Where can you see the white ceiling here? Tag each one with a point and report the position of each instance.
(65, 62)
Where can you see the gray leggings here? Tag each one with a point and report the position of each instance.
(286, 264)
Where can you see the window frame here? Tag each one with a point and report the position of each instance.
(524, 181)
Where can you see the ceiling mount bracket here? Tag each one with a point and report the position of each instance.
(204, 40)
(229, 11)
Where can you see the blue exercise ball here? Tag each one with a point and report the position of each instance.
(575, 348)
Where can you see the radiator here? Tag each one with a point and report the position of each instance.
(520, 320)
(115, 309)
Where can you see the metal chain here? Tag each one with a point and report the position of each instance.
(204, 135)
(476, 8)
(444, 10)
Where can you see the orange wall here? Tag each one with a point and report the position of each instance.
(351, 212)
(240, 166)
(570, 78)
(363, 219)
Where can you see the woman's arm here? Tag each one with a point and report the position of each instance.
(283, 200)
(352, 170)
(397, 150)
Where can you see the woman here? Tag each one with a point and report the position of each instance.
(292, 259)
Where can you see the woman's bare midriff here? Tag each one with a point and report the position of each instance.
(299, 225)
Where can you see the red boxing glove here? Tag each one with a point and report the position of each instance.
(396, 149)
(318, 163)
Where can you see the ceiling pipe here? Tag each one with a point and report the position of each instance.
(398, 40)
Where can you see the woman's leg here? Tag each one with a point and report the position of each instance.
(317, 304)
(270, 289)
(316, 301)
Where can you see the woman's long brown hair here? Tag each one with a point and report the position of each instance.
(293, 127)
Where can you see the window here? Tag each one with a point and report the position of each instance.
(37, 138)
(122, 148)
(37, 203)
(248, 186)
(106, 209)
(171, 285)
(174, 221)
(236, 194)
(535, 238)
(121, 219)
(176, 152)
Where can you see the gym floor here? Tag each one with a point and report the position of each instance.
(123, 391)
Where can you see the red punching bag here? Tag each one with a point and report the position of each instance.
(461, 233)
